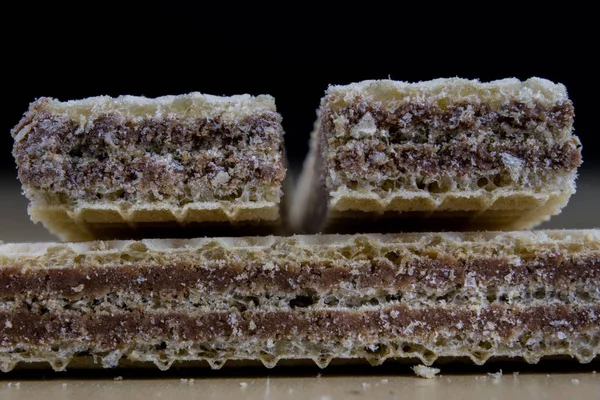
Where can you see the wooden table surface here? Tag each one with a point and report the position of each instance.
(539, 382)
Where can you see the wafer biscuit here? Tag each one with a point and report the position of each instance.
(133, 167)
(444, 154)
(373, 297)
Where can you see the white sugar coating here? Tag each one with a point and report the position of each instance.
(425, 372)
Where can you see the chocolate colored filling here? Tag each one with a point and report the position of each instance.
(459, 117)
(114, 329)
(554, 271)
(461, 138)
(155, 155)
(460, 157)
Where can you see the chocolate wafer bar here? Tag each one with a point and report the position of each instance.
(443, 154)
(130, 166)
(375, 297)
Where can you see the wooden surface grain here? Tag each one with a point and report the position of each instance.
(582, 385)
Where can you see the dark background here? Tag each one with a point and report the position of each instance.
(172, 49)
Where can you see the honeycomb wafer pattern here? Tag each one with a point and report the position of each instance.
(90, 222)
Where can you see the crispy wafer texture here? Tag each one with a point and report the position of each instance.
(454, 153)
(475, 295)
(110, 167)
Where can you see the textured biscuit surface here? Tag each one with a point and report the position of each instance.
(109, 167)
(322, 297)
(455, 153)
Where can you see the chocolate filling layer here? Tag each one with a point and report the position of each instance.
(467, 118)
(461, 158)
(394, 321)
(116, 158)
(461, 139)
(394, 272)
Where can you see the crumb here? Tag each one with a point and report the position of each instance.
(496, 375)
(64, 385)
(575, 381)
(183, 380)
(318, 375)
(8, 324)
(425, 372)
(594, 372)
(243, 385)
(118, 378)
(9, 384)
(448, 380)
(366, 385)
(516, 373)
(483, 378)
(192, 381)
(78, 288)
(384, 381)
(547, 375)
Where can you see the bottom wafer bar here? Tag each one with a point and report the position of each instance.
(475, 295)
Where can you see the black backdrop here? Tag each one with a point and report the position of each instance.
(173, 49)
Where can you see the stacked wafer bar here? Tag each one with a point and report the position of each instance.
(384, 156)
(131, 166)
(442, 154)
(423, 296)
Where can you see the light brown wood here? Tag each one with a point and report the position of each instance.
(446, 387)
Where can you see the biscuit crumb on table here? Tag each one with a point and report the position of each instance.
(425, 372)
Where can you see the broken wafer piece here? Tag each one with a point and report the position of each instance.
(443, 154)
(123, 167)
(374, 297)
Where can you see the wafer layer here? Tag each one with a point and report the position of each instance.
(460, 153)
(104, 167)
(524, 294)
